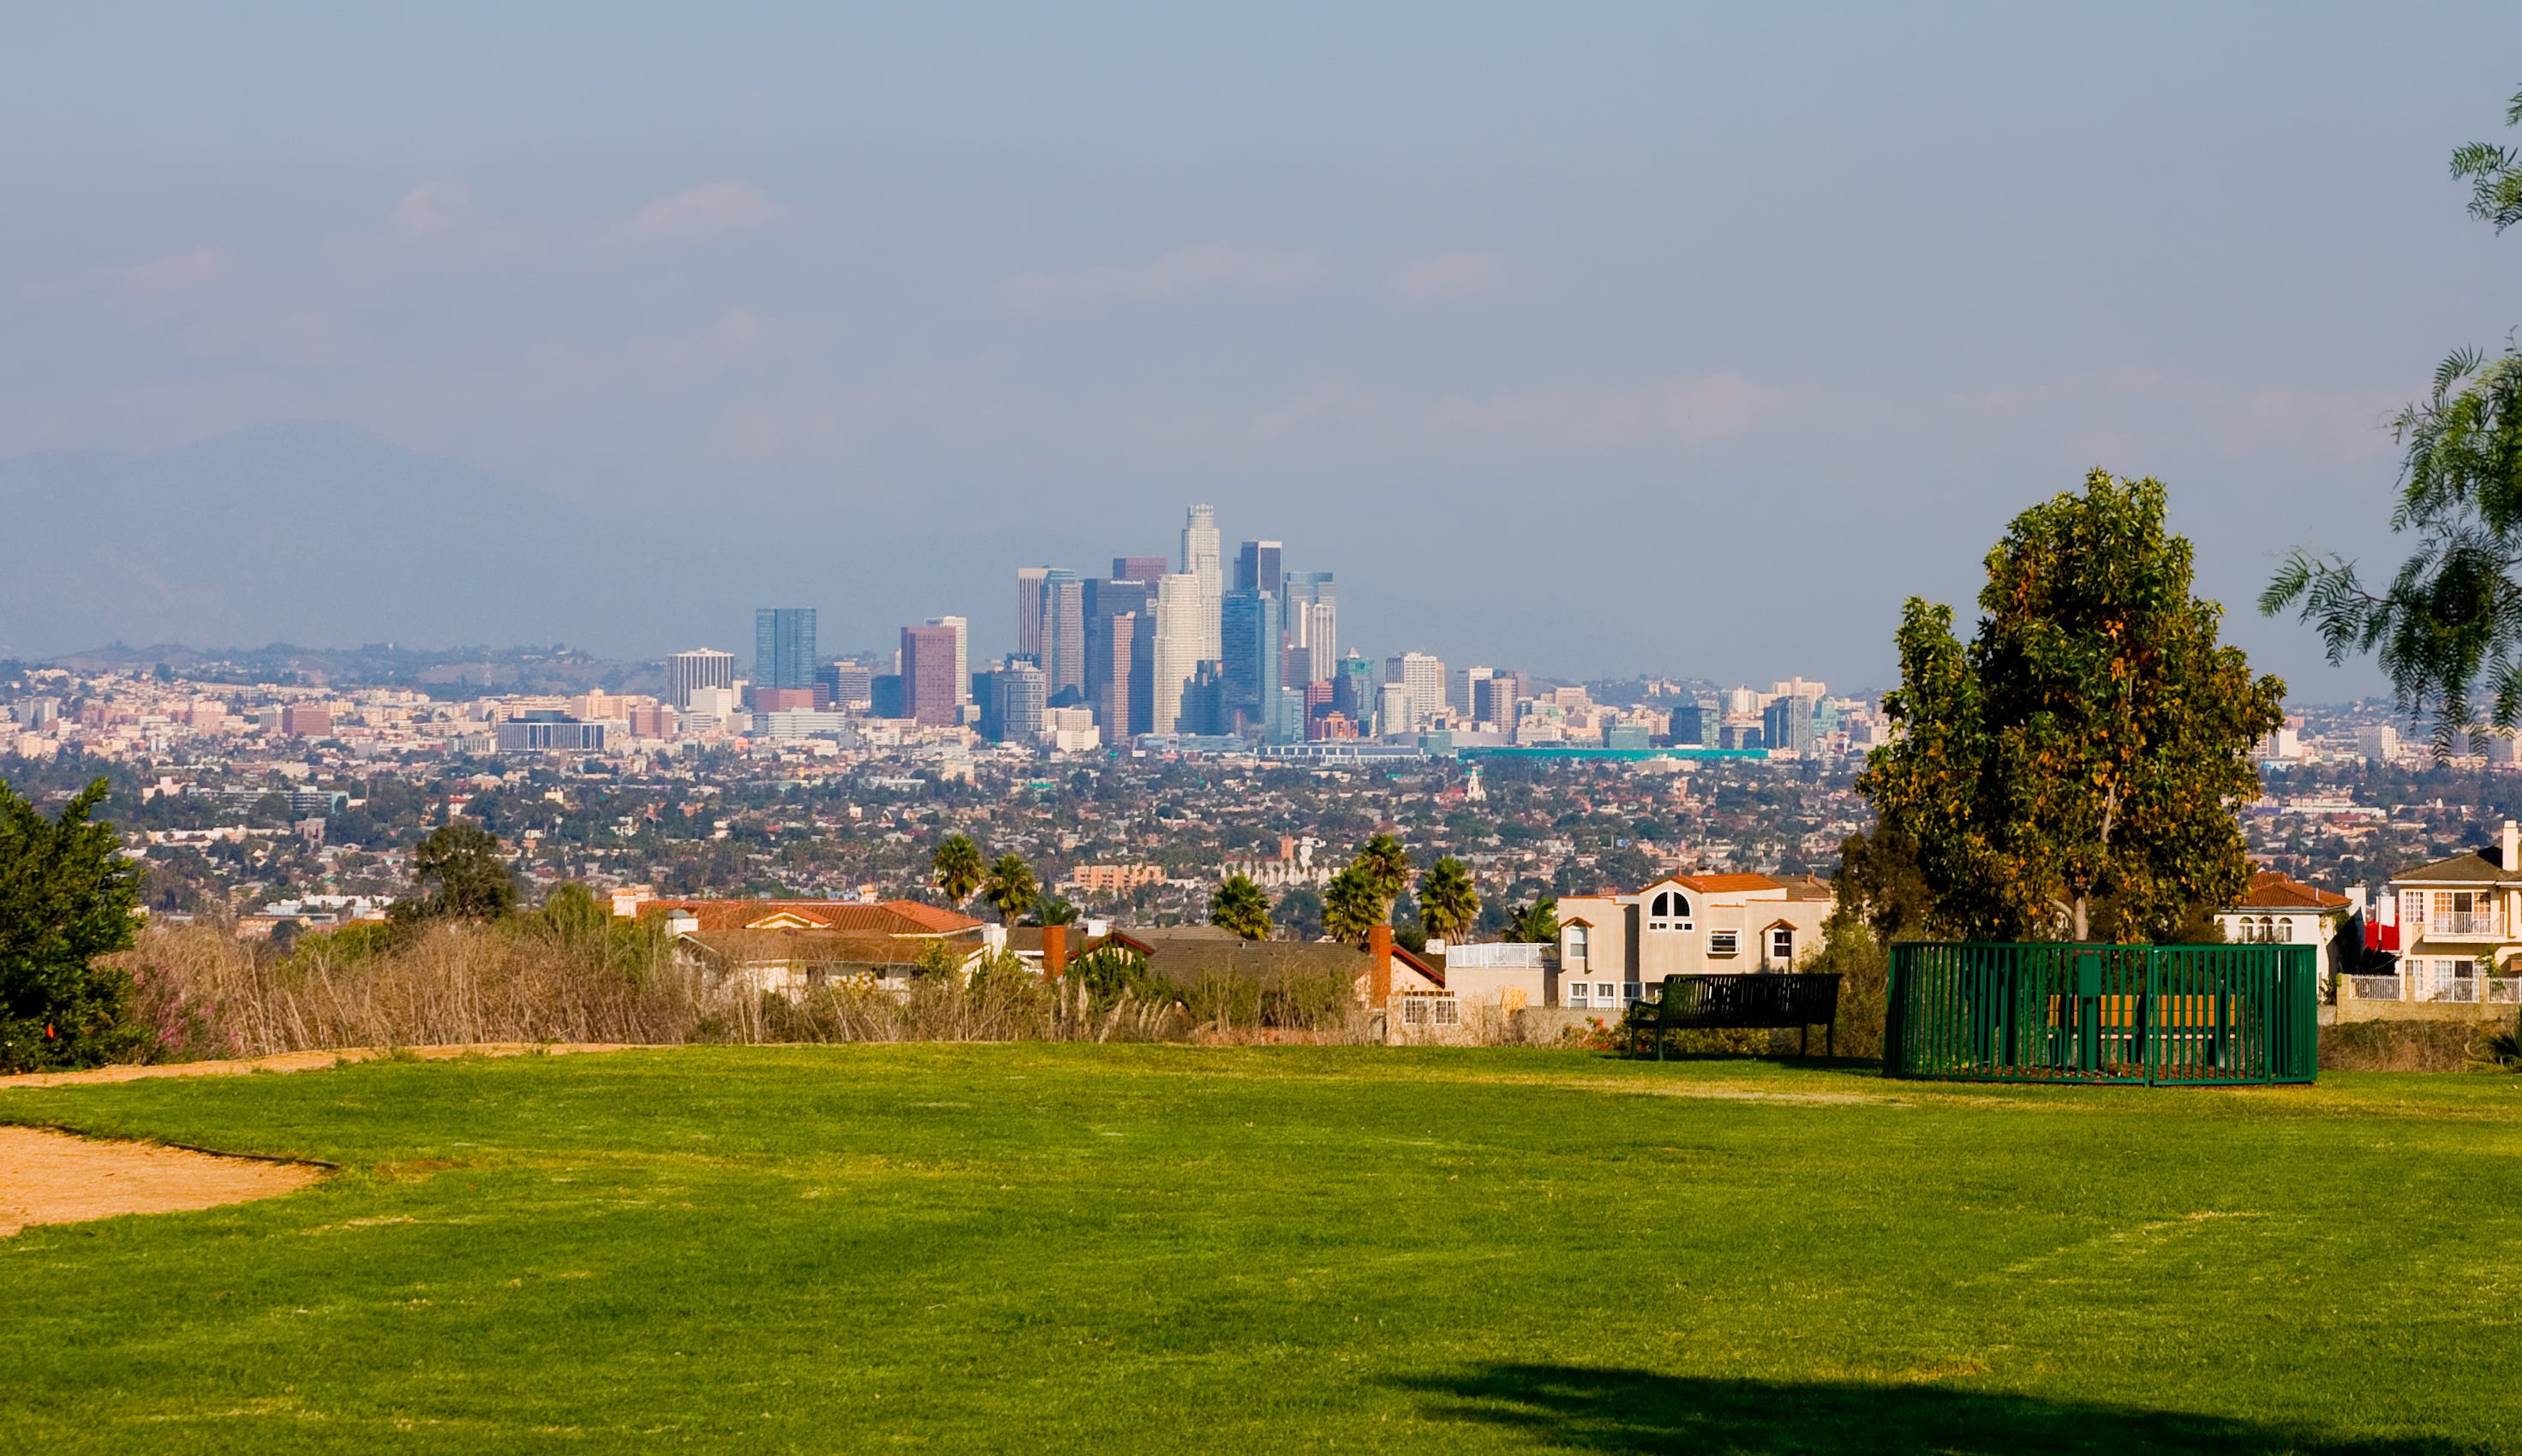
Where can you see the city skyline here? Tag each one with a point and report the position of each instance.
(1588, 331)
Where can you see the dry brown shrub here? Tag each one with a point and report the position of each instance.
(2406, 1046)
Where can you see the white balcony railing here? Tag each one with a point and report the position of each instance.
(2484, 925)
(2504, 991)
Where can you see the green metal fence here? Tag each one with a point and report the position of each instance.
(2159, 1015)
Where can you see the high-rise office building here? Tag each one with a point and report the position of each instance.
(1013, 711)
(1144, 569)
(1395, 712)
(1029, 611)
(929, 690)
(963, 631)
(1179, 614)
(1199, 561)
(1788, 723)
(1461, 690)
(843, 687)
(1256, 567)
(1425, 677)
(1353, 688)
(1118, 648)
(1249, 665)
(1105, 600)
(1063, 632)
(1493, 700)
(783, 646)
(1310, 602)
(703, 669)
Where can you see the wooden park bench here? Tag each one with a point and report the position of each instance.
(1750, 1002)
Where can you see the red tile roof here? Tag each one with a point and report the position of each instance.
(2272, 889)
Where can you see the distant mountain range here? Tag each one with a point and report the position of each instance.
(331, 538)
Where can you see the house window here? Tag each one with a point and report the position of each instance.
(1669, 910)
(1448, 1012)
(1723, 943)
(1603, 994)
(1782, 944)
(1629, 992)
(1577, 990)
(2285, 931)
(1413, 1011)
(1576, 945)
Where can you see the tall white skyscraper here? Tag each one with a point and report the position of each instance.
(1180, 615)
(962, 654)
(1424, 678)
(1201, 561)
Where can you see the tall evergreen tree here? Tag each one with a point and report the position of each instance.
(2089, 747)
(66, 899)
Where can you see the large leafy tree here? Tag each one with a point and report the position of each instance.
(1448, 904)
(1010, 888)
(2448, 629)
(959, 868)
(2090, 745)
(1238, 905)
(66, 899)
(460, 867)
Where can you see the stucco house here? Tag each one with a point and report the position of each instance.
(2459, 955)
(1611, 947)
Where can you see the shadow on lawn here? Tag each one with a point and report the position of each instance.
(1587, 1409)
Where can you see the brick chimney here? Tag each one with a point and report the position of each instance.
(1378, 952)
(1055, 950)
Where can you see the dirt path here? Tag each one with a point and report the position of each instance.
(306, 1062)
(53, 1177)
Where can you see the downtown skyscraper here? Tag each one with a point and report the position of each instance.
(1201, 561)
(783, 646)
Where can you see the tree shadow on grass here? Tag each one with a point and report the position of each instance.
(1587, 1409)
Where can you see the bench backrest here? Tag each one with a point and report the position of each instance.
(1753, 1001)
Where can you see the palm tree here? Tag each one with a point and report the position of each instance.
(1536, 924)
(1010, 886)
(1448, 904)
(1048, 911)
(1350, 906)
(958, 865)
(1240, 906)
(1386, 866)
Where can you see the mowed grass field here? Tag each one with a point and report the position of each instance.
(1159, 1249)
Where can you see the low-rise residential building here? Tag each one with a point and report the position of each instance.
(2278, 910)
(1611, 945)
(2457, 941)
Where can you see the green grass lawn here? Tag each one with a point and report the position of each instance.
(1105, 1248)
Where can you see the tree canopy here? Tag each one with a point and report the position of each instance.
(2089, 748)
(461, 866)
(1448, 904)
(957, 867)
(1010, 888)
(2448, 629)
(1350, 906)
(1238, 905)
(66, 899)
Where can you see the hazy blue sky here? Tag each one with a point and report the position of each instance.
(1580, 337)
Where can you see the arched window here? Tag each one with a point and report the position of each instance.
(2285, 929)
(1669, 910)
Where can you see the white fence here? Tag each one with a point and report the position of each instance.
(1499, 957)
(2495, 990)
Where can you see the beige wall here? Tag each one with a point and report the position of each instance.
(1626, 943)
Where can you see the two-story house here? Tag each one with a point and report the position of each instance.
(1611, 947)
(2458, 919)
